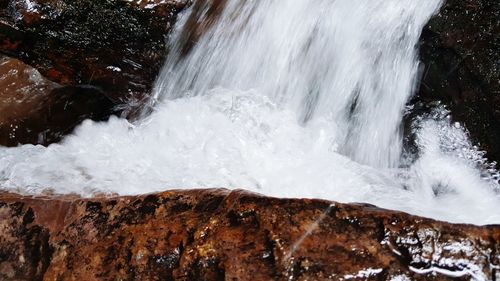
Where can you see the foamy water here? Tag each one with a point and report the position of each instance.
(286, 98)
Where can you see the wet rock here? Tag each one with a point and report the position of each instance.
(460, 50)
(38, 111)
(116, 46)
(223, 235)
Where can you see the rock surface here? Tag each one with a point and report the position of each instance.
(38, 111)
(117, 46)
(221, 235)
(460, 48)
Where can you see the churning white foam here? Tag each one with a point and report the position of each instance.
(300, 99)
(241, 140)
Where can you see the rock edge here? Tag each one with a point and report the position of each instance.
(217, 234)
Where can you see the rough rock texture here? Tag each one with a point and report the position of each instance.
(36, 110)
(460, 48)
(115, 45)
(105, 52)
(223, 235)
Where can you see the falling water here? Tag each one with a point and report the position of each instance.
(353, 62)
(290, 98)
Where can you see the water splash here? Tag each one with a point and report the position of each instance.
(287, 98)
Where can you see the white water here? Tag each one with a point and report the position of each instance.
(296, 98)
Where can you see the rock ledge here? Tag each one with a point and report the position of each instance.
(217, 234)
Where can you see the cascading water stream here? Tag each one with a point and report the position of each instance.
(353, 62)
(295, 98)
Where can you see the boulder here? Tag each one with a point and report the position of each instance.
(38, 111)
(460, 51)
(219, 234)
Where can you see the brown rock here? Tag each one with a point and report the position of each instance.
(38, 111)
(223, 235)
(22, 90)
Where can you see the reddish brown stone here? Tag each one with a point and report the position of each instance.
(223, 235)
(38, 111)
(22, 89)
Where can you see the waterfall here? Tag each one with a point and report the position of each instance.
(354, 62)
(290, 98)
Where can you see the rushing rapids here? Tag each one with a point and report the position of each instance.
(287, 98)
